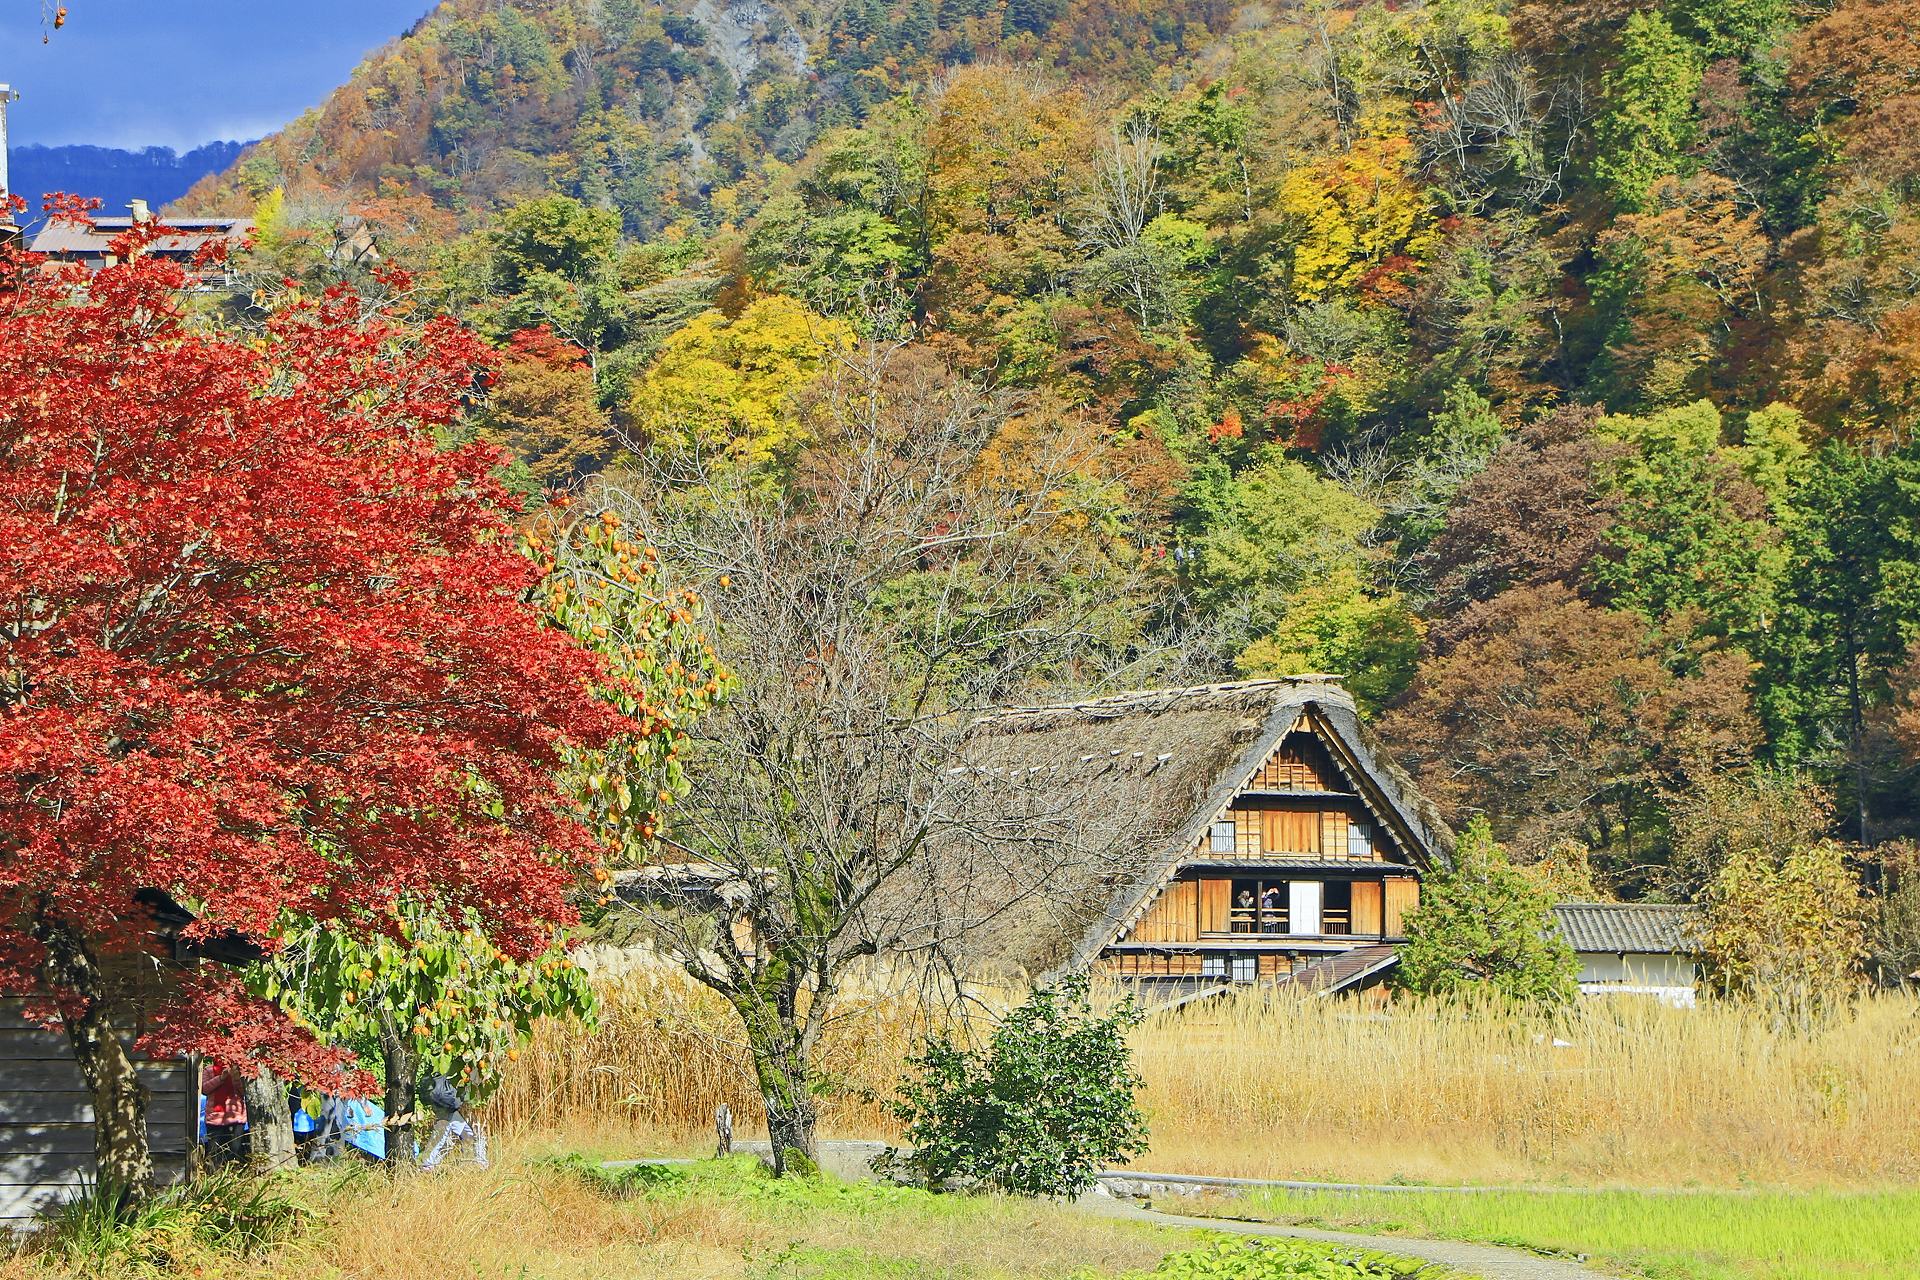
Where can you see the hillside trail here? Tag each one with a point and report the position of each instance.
(1488, 1261)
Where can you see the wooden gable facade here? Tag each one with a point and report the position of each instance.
(1303, 863)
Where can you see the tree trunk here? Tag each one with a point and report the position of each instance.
(99, 1032)
(791, 1116)
(269, 1124)
(781, 1067)
(396, 1052)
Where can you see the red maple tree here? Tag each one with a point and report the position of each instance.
(264, 648)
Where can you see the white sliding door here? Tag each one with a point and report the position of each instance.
(1303, 906)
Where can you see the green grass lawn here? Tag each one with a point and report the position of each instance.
(1814, 1235)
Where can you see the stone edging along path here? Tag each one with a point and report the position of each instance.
(1490, 1262)
(1113, 1198)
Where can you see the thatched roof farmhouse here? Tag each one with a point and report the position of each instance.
(1256, 832)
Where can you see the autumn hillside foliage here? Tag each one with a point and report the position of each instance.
(1546, 369)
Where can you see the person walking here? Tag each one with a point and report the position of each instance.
(451, 1125)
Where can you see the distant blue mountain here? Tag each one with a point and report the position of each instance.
(158, 175)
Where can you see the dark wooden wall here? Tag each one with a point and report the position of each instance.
(46, 1118)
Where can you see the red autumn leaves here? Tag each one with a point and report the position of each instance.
(263, 645)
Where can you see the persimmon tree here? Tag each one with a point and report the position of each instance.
(422, 993)
(265, 648)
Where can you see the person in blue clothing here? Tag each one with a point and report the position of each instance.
(342, 1126)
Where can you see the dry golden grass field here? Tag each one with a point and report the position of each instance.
(1618, 1093)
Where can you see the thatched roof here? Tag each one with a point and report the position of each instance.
(1151, 771)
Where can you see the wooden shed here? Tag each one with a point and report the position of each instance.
(46, 1110)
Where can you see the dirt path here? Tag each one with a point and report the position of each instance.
(1483, 1260)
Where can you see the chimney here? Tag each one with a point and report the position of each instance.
(140, 211)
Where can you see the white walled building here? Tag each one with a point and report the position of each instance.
(1633, 948)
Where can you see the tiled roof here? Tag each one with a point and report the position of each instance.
(1640, 927)
(1338, 972)
(76, 238)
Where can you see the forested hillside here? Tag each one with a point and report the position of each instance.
(114, 176)
(1552, 370)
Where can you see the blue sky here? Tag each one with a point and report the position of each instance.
(135, 73)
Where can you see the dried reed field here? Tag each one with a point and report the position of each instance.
(1615, 1093)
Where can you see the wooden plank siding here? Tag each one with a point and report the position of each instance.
(46, 1118)
(1174, 916)
(1152, 964)
(1300, 763)
(1403, 895)
(1320, 832)
(1367, 906)
(1215, 902)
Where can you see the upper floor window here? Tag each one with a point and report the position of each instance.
(1224, 838)
(1258, 906)
(1359, 840)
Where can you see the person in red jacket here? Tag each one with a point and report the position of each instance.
(226, 1112)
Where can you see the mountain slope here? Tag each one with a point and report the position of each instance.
(157, 175)
(655, 109)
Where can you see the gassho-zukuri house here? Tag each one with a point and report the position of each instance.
(1284, 846)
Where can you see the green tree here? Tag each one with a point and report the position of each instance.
(420, 992)
(552, 263)
(553, 235)
(1690, 531)
(1266, 533)
(1743, 29)
(1773, 453)
(1848, 605)
(1337, 625)
(1648, 121)
(1483, 925)
(1460, 440)
(1047, 1105)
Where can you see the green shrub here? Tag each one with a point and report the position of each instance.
(1291, 1260)
(1048, 1104)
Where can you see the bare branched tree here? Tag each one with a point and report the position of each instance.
(1111, 220)
(902, 576)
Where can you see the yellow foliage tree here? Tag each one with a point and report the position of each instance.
(730, 389)
(1354, 213)
(1788, 930)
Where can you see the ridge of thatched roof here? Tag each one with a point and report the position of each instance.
(1185, 753)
